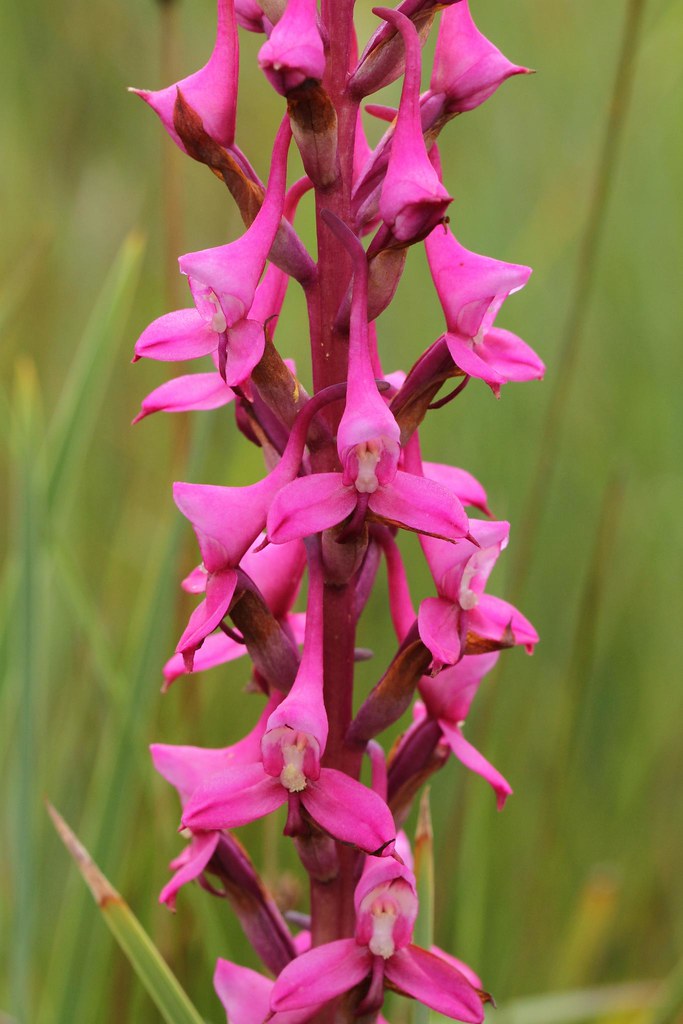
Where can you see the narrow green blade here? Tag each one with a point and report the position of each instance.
(80, 404)
(424, 876)
(150, 967)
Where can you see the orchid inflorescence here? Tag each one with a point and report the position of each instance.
(345, 474)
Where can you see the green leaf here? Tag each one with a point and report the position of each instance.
(80, 404)
(146, 960)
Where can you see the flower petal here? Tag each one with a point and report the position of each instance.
(233, 798)
(220, 587)
(428, 978)
(438, 622)
(197, 856)
(187, 393)
(422, 505)
(176, 336)
(321, 974)
(217, 649)
(308, 505)
(350, 812)
(476, 762)
(492, 616)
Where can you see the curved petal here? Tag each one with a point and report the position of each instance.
(466, 487)
(246, 342)
(308, 505)
(437, 984)
(422, 505)
(350, 812)
(245, 994)
(176, 336)
(217, 649)
(471, 361)
(321, 974)
(220, 586)
(510, 356)
(476, 762)
(187, 393)
(437, 623)
(211, 91)
(233, 798)
(198, 855)
(492, 616)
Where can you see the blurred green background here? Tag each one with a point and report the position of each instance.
(578, 883)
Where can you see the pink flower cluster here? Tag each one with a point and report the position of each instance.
(344, 474)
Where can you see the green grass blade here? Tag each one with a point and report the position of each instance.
(669, 1008)
(74, 418)
(26, 533)
(146, 960)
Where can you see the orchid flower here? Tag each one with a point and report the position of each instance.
(187, 767)
(276, 571)
(368, 448)
(413, 200)
(462, 607)
(211, 91)
(381, 951)
(294, 51)
(227, 521)
(223, 282)
(447, 700)
(471, 289)
(289, 771)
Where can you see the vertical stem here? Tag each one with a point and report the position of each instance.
(332, 902)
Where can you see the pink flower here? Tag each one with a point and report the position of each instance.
(471, 289)
(212, 91)
(413, 200)
(386, 908)
(447, 699)
(290, 772)
(467, 67)
(186, 768)
(224, 284)
(462, 607)
(276, 571)
(294, 52)
(368, 448)
(227, 521)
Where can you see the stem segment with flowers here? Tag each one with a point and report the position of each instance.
(345, 475)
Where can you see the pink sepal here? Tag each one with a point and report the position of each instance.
(174, 337)
(471, 288)
(468, 68)
(437, 984)
(350, 812)
(245, 996)
(233, 798)
(184, 394)
(211, 91)
(476, 762)
(308, 505)
(466, 487)
(493, 616)
(320, 975)
(438, 622)
(459, 965)
(189, 865)
(422, 505)
(220, 588)
(217, 649)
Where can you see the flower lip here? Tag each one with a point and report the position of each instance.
(292, 756)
